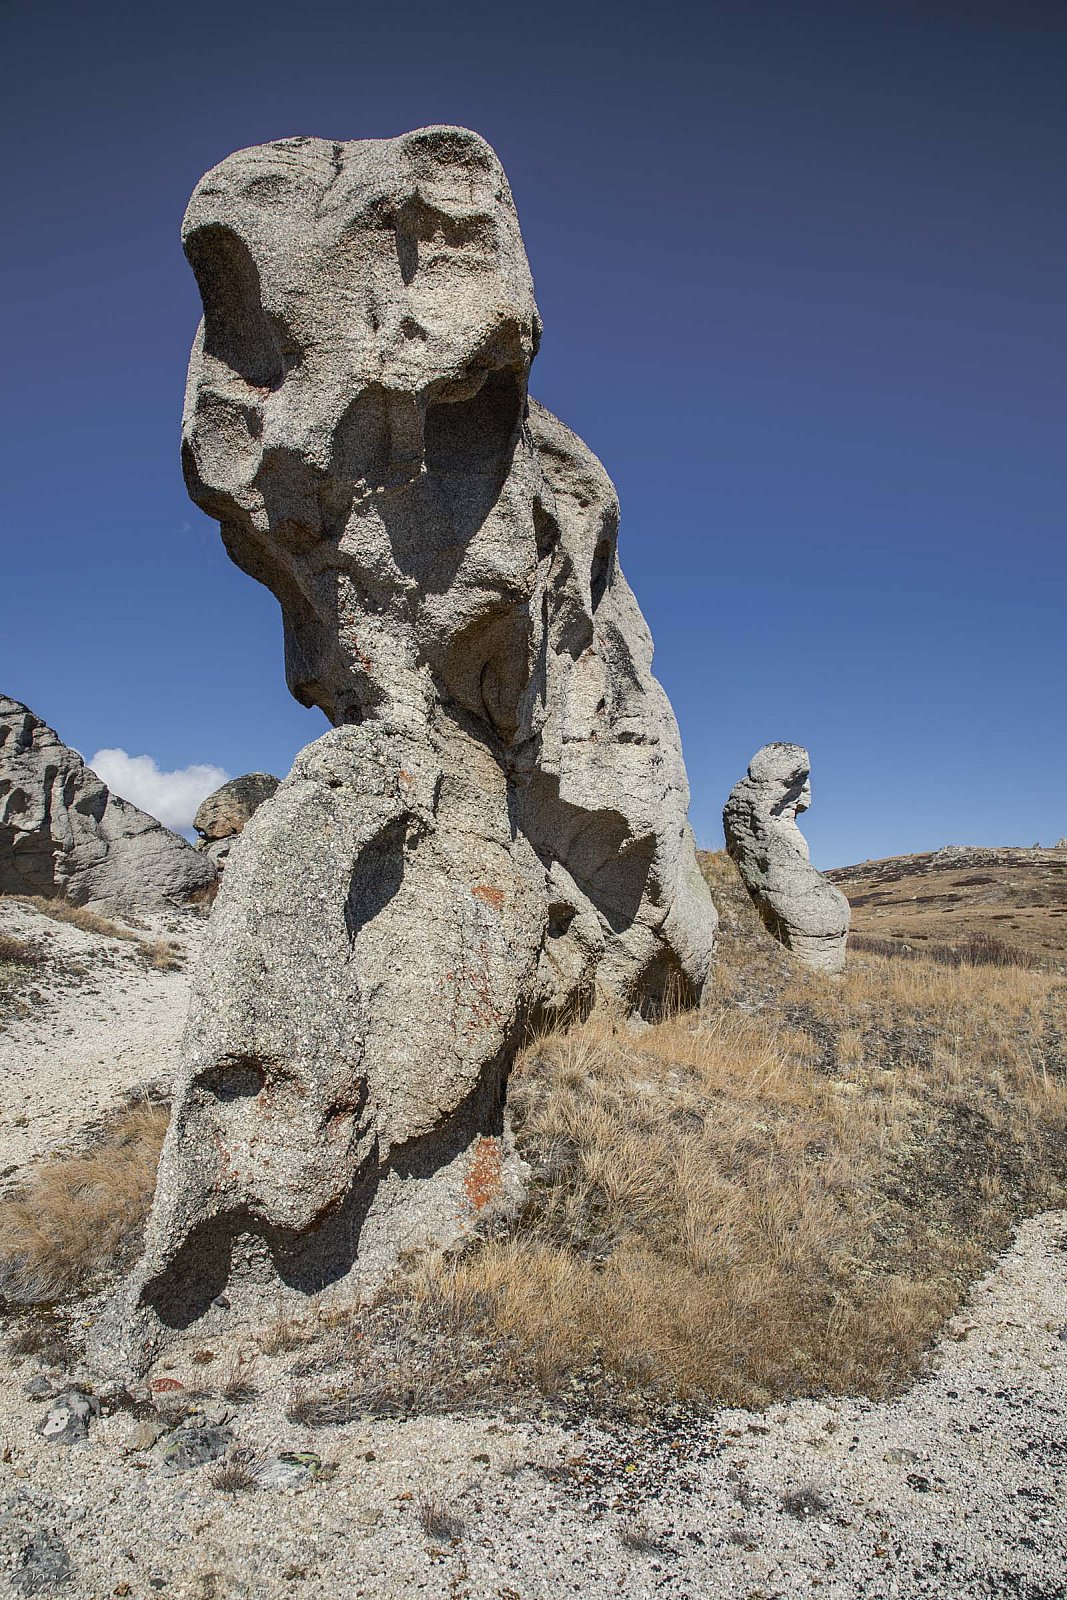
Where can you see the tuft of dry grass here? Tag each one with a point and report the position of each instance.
(438, 1519)
(807, 1501)
(78, 1216)
(239, 1470)
(162, 955)
(639, 1537)
(16, 952)
(285, 1333)
(787, 1192)
(237, 1384)
(327, 1408)
(45, 1337)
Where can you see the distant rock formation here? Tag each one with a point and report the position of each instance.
(64, 834)
(799, 906)
(496, 826)
(222, 816)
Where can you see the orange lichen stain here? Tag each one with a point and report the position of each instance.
(488, 895)
(484, 1180)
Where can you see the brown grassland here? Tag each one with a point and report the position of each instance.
(784, 1193)
(1014, 896)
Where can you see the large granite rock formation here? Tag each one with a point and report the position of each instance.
(495, 829)
(64, 834)
(799, 906)
(223, 815)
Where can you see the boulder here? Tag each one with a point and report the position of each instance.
(495, 829)
(222, 816)
(799, 906)
(64, 834)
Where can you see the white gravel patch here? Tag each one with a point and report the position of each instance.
(90, 1028)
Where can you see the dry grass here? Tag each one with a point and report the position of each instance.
(237, 1384)
(285, 1333)
(16, 952)
(79, 1216)
(976, 950)
(439, 1520)
(45, 1337)
(163, 955)
(240, 1470)
(787, 1193)
(76, 916)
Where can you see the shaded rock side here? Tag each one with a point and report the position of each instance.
(64, 834)
(222, 816)
(496, 828)
(799, 906)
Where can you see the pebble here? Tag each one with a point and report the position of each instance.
(67, 1419)
(194, 1446)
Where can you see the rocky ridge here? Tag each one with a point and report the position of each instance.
(63, 833)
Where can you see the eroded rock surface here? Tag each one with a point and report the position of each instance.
(223, 815)
(496, 826)
(799, 906)
(63, 833)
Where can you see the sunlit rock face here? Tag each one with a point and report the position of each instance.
(64, 835)
(495, 828)
(223, 816)
(803, 910)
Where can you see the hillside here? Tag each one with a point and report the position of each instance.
(960, 893)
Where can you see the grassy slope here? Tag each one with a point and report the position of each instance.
(786, 1194)
(1017, 896)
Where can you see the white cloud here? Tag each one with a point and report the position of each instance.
(173, 797)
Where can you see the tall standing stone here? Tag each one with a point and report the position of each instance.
(801, 908)
(495, 829)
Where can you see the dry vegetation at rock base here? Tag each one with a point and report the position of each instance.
(785, 1193)
(81, 1216)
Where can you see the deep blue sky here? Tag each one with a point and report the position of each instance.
(801, 268)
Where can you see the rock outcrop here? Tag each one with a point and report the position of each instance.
(495, 829)
(799, 906)
(64, 834)
(222, 816)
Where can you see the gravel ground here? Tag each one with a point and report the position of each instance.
(956, 1488)
(88, 1028)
